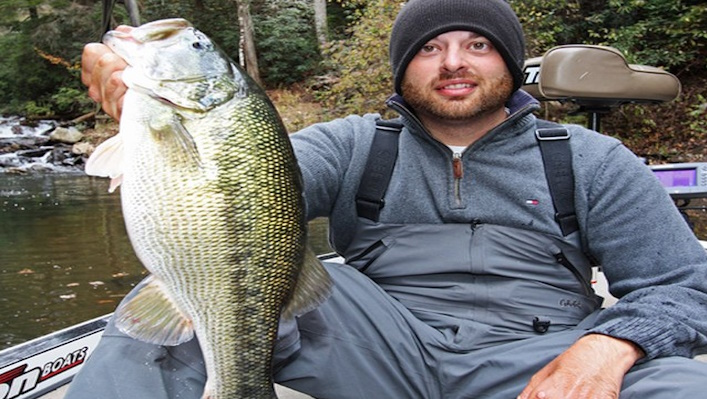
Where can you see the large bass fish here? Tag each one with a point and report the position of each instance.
(211, 196)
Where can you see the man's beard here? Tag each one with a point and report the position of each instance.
(489, 95)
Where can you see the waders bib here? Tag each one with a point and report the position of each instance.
(455, 311)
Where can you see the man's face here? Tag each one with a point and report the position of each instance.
(457, 75)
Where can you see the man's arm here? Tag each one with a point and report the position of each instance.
(652, 260)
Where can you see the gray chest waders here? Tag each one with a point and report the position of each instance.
(507, 278)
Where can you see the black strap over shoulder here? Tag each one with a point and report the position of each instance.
(553, 140)
(370, 198)
(557, 160)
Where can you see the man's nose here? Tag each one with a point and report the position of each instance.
(453, 61)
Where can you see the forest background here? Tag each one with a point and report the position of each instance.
(322, 59)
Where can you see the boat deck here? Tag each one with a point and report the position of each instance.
(282, 393)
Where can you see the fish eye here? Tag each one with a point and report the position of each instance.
(201, 45)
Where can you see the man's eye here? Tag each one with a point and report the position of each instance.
(480, 46)
(427, 49)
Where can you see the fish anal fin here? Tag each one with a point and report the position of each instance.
(151, 316)
(208, 390)
(115, 182)
(313, 287)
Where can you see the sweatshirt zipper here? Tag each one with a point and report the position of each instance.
(458, 172)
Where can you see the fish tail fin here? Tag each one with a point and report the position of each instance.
(312, 288)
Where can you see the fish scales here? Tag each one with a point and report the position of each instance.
(211, 196)
(223, 203)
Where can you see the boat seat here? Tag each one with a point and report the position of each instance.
(596, 77)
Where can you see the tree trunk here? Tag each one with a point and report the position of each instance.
(320, 22)
(247, 54)
(133, 12)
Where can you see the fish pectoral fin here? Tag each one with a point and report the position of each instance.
(171, 131)
(313, 287)
(107, 161)
(153, 317)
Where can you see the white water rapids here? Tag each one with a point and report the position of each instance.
(26, 147)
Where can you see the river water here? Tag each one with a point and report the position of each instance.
(64, 253)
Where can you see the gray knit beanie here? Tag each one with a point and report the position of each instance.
(419, 21)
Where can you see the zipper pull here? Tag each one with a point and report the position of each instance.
(457, 166)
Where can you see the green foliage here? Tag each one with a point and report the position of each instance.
(697, 114)
(71, 101)
(341, 14)
(26, 76)
(41, 47)
(666, 33)
(286, 41)
(360, 64)
(35, 110)
(548, 23)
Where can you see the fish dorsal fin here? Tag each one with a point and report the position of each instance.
(107, 161)
(153, 317)
(313, 287)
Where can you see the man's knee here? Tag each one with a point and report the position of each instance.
(670, 378)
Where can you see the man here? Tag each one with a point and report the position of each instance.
(464, 285)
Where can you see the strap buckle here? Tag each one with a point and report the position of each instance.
(552, 134)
